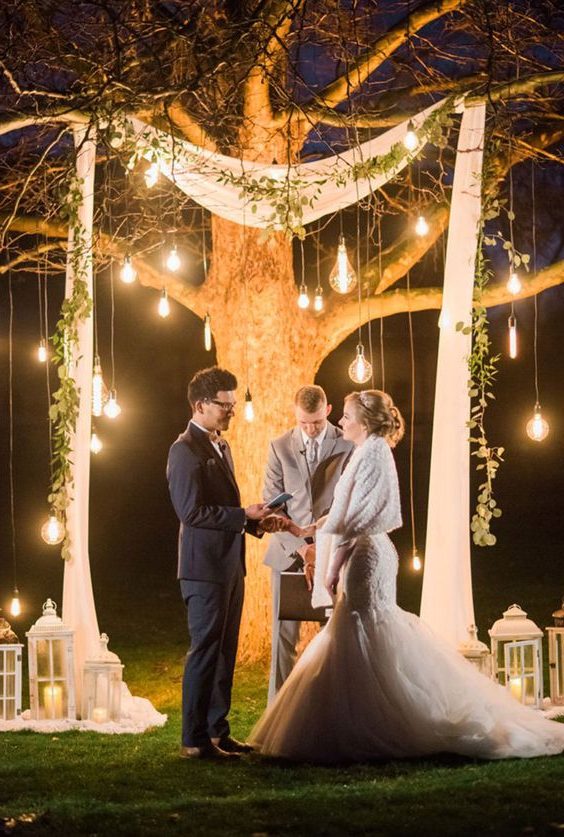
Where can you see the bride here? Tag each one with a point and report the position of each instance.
(376, 683)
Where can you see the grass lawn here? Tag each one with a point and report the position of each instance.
(83, 783)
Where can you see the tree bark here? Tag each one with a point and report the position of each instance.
(262, 337)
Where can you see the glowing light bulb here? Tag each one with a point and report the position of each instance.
(416, 562)
(53, 530)
(15, 605)
(421, 227)
(207, 333)
(303, 298)
(537, 427)
(96, 444)
(411, 140)
(112, 408)
(97, 388)
(342, 278)
(164, 304)
(513, 283)
(249, 409)
(360, 370)
(127, 274)
(318, 300)
(152, 175)
(173, 259)
(42, 351)
(512, 326)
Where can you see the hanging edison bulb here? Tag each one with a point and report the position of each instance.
(249, 409)
(15, 604)
(97, 388)
(173, 259)
(512, 326)
(513, 283)
(53, 530)
(164, 304)
(207, 333)
(421, 226)
(96, 444)
(360, 370)
(416, 563)
(42, 351)
(537, 426)
(152, 174)
(342, 278)
(303, 297)
(112, 408)
(411, 140)
(318, 299)
(127, 274)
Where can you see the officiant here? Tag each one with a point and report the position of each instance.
(305, 462)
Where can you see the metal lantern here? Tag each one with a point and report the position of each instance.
(476, 652)
(51, 669)
(556, 657)
(517, 656)
(101, 687)
(10, 673)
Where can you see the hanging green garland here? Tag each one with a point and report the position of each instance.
(63, 412)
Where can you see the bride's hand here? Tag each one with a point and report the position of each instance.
(331, 581)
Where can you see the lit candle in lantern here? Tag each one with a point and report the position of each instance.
(516, 688)
(53, 700)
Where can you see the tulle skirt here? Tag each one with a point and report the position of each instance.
(381, 686)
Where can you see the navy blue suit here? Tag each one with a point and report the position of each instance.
(211, 570)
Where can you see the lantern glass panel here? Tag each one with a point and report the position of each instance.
(559, 668)
(43, 658)
(59, 658)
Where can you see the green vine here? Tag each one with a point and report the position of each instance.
(482, 366)
(63, 412)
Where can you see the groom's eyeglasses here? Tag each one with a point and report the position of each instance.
(227, 406)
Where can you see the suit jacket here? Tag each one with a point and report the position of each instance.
(287, 470)
(206, 499)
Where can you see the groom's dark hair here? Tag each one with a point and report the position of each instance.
(206, 383)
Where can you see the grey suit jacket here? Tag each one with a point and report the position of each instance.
(287, 470)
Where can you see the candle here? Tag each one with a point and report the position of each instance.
(100, 714)
(53, 700)
(516, 688)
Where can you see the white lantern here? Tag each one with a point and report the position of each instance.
(476, 652)
(101, 686)
(51, 669)
(556, 657)
(517, 656)
(10, 673)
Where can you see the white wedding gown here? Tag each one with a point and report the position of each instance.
(376, 683)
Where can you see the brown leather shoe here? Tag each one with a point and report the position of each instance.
(207, 751)
(231, 745)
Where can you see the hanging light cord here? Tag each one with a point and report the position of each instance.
(11, 423)
(412, 422)
(382, 364)
(48, 374)
(535, 298)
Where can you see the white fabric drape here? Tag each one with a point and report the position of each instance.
(446, 603)
(202, 175)
(79, 611)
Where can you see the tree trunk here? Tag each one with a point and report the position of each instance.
(261, 336)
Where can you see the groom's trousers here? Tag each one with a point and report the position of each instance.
(214, 616)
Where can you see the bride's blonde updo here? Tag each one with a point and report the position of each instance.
(378, 413)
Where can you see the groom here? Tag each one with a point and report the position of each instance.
(211, 563)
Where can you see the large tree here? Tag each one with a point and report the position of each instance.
(284, 81)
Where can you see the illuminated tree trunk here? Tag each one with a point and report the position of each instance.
(262, 336)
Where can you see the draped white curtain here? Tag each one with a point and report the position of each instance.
(446, 602)
(204, 175)
(79, 611)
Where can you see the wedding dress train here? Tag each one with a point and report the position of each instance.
(376, 683)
